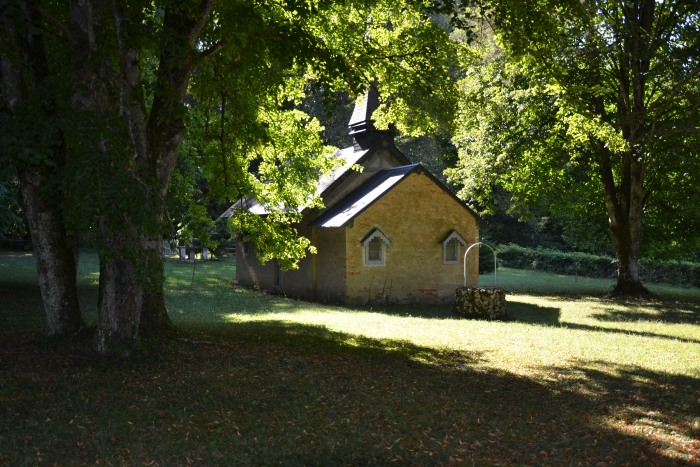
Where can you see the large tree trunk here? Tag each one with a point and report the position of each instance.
(156, 138)
(154, 319)
(625, 199)
(119, 238)
(154, 314)
(131, 261)
(120, 296)
(625, 206)
(55, 251)
(627, 238)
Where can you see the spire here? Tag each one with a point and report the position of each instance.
(364, 108)
(361, 124)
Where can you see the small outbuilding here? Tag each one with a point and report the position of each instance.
(390, 233)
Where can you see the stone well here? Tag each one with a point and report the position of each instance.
(481, 303)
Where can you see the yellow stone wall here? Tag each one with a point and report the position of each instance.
(416, 215)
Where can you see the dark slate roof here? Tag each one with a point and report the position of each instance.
(363, 196)
(350, 157)
(366, 194)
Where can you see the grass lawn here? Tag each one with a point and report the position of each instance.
(256, 379)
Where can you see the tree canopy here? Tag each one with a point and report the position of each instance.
(593, 108)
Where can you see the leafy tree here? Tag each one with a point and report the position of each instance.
(591, 106)
(115, 85)
(189, 208)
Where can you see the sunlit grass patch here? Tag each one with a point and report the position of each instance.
(543, 332)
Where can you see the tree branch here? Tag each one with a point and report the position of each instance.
(130, 85)
(197, 27)
(667, 100)
(55, 22)
(206, 53)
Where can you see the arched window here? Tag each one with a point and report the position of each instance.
(452, 248)
(374, 245)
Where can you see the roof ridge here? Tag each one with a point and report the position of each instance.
(401, 167)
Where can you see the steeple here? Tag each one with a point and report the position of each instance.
(361, 124)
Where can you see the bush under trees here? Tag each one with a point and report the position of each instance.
(587, 265)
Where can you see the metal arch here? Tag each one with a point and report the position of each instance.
(494, 261)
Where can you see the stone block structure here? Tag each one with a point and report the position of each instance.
(481, 303)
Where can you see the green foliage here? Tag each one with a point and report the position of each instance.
(246, 136)
(682, 273)
(247, 129)
(434, 150)
(560, 95)
(537, 226)
(188, 216)
(333, 110)
(679, 273)
(569, 263)
(273, 237)
(512, 144)
(269, 153)
(222, 238)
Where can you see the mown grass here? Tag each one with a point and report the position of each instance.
(571, 378)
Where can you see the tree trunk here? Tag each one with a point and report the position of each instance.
(624, 199)
(638, 47)
(25, 71)
(625, 205)
(120, 294)
(156, 138)
(154, 314)
(627, 242)
(55, 254)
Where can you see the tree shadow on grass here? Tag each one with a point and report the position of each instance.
(533, 314)
(21, 309)
(279, 392)
(412, 311)
(665, 311)
(550, 316)
(628, 332)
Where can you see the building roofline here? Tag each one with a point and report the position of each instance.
(375, 182)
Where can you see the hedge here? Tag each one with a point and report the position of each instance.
(670, 272)
(587, 265)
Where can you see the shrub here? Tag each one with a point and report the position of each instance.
(587, 265)
(569, 263)
(670, 272)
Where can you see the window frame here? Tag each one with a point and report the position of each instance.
(375, 235)
(453, 236)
